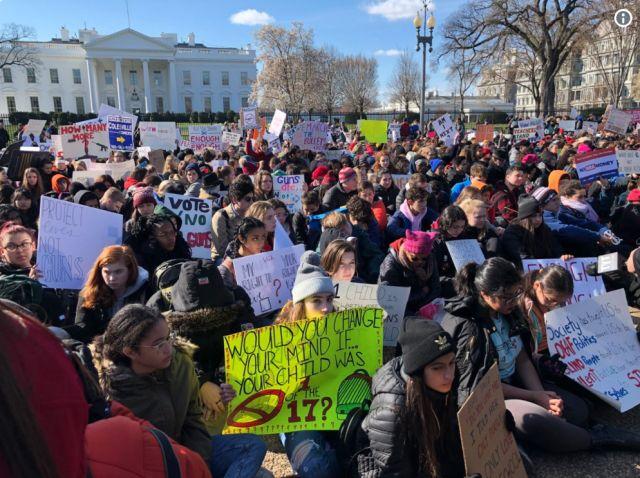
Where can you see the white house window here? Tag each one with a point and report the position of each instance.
(226, 103)
(11, 104)
(159, 104)
(157, 78)
(207, 104)
(53, 75)
(186, 77)
(244, 78)
(133, 77)
(77, 76)
(188, 104)
(31, 75)
(206, 78)
(6, 75)
(108, 77)
(35, 104)
(57, 104)
(225, 78)
(80, 105)
(111, 101)
(244, 101)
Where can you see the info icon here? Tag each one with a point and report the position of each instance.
(623, 18)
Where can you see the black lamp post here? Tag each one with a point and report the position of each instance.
(424, 40)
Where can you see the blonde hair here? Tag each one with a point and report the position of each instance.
(470, 205)
(259, 210)
(169, 165)
(334, 220)
(468, 193)
(291, 312)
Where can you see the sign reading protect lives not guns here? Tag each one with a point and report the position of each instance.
(302, 375)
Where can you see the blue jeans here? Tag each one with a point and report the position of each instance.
(310, 454)
(236, 456)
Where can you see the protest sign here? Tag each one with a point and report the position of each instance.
(375, 131)
(304, 375)
(393, 300)
(596, 164)
(335, 154)
(573, 114)
(205, 136)
(277, 122)
(120, 132)
(289, 190)
(394, 131)
(607, 263)
(88, 178)
(275, 145)
(218, 163)
(281, 239)
(400, 180)
(249, 117)
(87, 140)
(488, 447)
(143, 151)
(628, 161)
(115, 170)
(34, 127)
(596, 339)
(196, 222)
(231, 139)
(484, 132)
(567, 125)
(533, 127)
(445, 129)
(156, 159)
(311, 135)
(590, 127)
(635, 115)
(158, 134)
(106, 110)
(464, 251)
(617, 121)
(584, 285)
(524, 133)
(70, 239)
(268, 277)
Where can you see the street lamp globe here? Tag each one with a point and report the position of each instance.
(417, 21)
(431, 22)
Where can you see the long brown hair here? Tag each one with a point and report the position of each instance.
(536, 241)
(554, 278)
(95, 292)
(333, 253)
(36, 191)
(260, 194)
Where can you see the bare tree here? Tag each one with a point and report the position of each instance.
(465, 67)
(13, 50)
(404, 84)
(357, 77)
(547, 27)
(327, 96)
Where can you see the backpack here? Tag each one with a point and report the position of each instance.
(352, 445)
(27, 292)
(165, 275)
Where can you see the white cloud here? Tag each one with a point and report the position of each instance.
(391, 52)
(396, 9)
(251, 17)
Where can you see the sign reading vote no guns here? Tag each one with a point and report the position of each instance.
(302, 375)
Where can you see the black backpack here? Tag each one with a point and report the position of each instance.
(353, 446)
(27, 292)
(165, 275)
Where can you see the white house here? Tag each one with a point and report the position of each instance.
(130, 71)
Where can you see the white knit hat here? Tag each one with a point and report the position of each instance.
(311, 279)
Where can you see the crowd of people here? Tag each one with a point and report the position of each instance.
(128, 380)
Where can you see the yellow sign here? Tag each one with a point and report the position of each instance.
(304, 375)
(375, 131)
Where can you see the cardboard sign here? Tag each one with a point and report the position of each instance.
(529, 128)
(304, 375)
(231, 139)
(393, 300)
(608, 263)
(106, 110)
(218, 163)
(87, 140)
(268, 277)
(590, 127)
(484, 132)
(88, 178)
(277, 122)
(311, 135)
(158, 134)
(628, 161)
(249, 117)
(597, 341)
(70, 239)
(567, 125)
(289, 190)
(157, 159)
(617, 121)
(374, 131)
(464, 251)
(489, 448)
(584, 285)
(34, 127)
(205, 136)
(120, 132)
(115, 170)
(596, 164)
(196, 222)
(445, 129)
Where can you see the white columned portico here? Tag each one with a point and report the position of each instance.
(94, 101)
(120, 85)
(149, 107)
(173, 87)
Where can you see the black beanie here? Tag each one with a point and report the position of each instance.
(527, 207)
(199, 286)
(422, 341)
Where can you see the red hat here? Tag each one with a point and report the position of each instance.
(485, 151)
(143, 196)
(529, 159)
(329, 178)
(634, 195)
(346, 174)
(419, 242)
(319, 173)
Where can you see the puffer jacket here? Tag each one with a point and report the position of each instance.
(336, 197)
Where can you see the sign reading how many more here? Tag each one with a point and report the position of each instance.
(393, 300)
(464, 251)
(596, 339)
(87, 140)
(195, 214)
(446, 129)
(70, 240)
(303, 375)
(289, 190)
(268, 277)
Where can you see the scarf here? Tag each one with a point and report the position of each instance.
(416, 221)
(582, 207)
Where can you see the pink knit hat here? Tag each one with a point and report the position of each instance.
(583, 148)
(418, 242)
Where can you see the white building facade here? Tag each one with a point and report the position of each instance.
(130, 71)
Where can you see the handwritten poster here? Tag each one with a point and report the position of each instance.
(231, 139)
(268, 277)
(311, 135)
(375, 131)
(464, 251)
(88, 140)
(196, 222)
(249, 117)
(628, 161)
(158, 134)
(289, 190)
(445, 129)
(567, 125)
(277, 122)
(484, 132)
(393, 300)
(617, 121)
(400, 180)
(489, 448)
(120, 132)
(71, 238)
(596, 339)
(205, 136)
(115, 170)
(599, 163)
(34, 127)
(304, 375)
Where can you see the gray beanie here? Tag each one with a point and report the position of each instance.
(311, 279)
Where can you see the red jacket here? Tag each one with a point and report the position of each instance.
(504, 202)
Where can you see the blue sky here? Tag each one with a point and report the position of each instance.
(370, 27)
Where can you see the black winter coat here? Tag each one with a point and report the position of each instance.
(388, 197)
(336, 197)
(513, 245)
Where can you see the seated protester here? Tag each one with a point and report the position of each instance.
(311, 453)
(417, 180)
(387, 190)
(6, 191)
(225, 221)
(265, 213)
(60, 184)
(412, 215)
(361, 215)
(23, 202)
(449, 227)
(144, 203)
(32, 181)
(284, 217)
(156, 239)
(87, 198)
(153, 375)
(504, 201)
(625, 220)
(114, 281)
(112, 200)
(410, 263)
(366, 192)
(303, 231)
(339, 261)
(557, 178)
(478, 227)
(263, 190)
(528, 237)
(478, 172)
(9, 213)
(250, 239)
(338, 195)
(487, 325)
(412, 422)
(194, 183)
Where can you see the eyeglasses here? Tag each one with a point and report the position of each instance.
(22, 246)
(171, 340)
(510, 299)
(248, 198)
